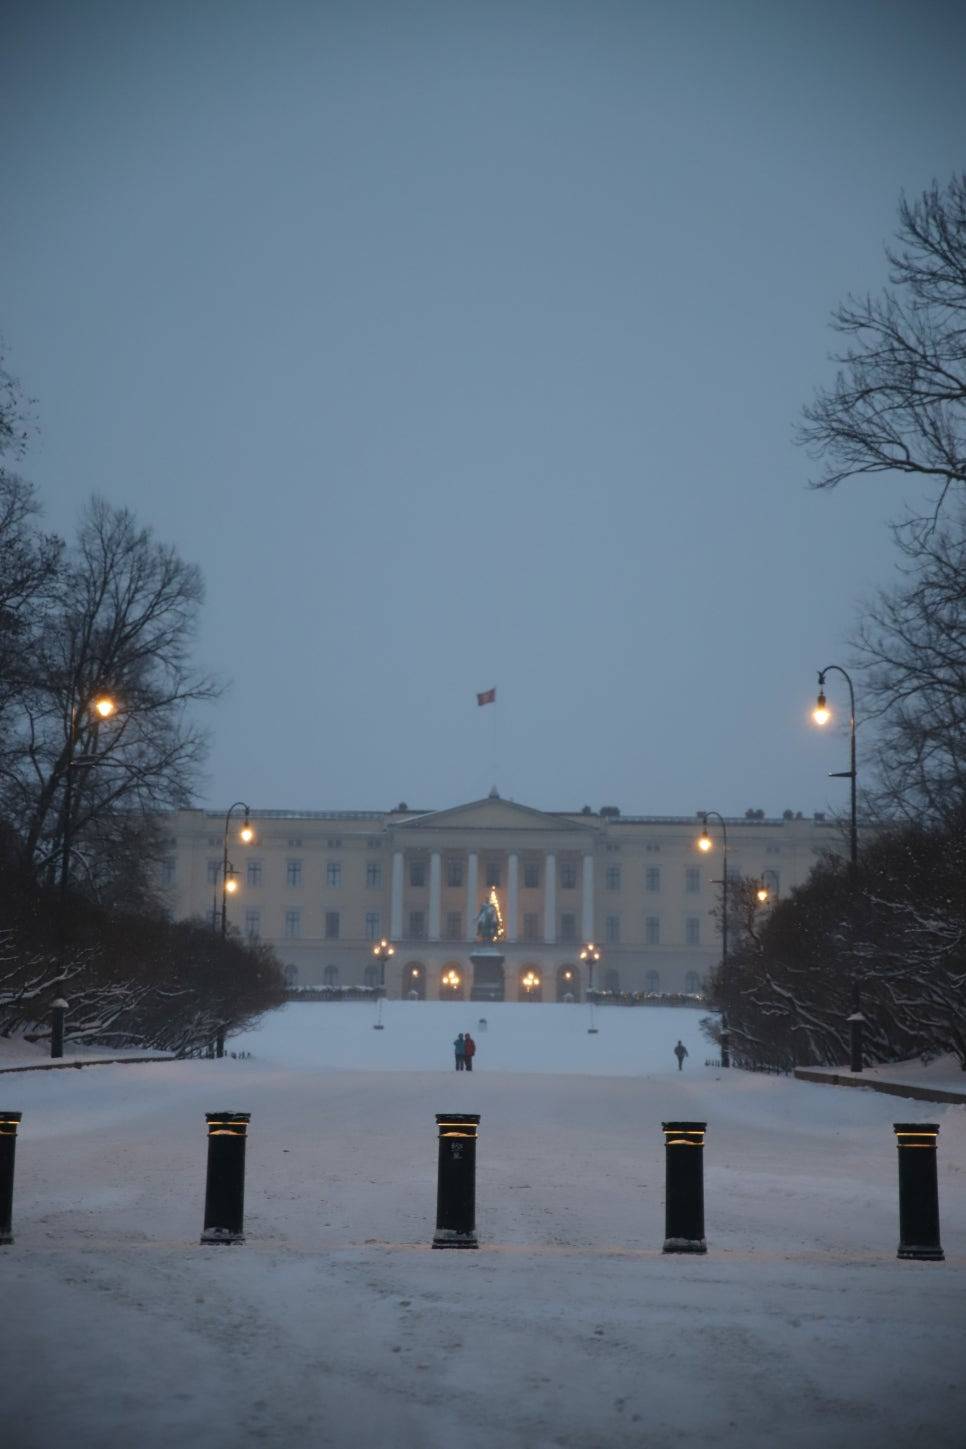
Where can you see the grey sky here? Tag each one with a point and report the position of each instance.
(461, 344)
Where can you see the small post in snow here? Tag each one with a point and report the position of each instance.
(225, 1184)
(9, 1122)
(220, 1042)
(725, 1042)
(456, 1180)
(684, 1187)
(918, 1191)
(58, 1010)
(856, 1023)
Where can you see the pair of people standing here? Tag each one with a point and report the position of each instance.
(464, 1048)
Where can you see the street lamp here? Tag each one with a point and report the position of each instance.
(246, 835)
(382, 953)
(530, 982)
(705, 843)
(590, 955)
(821, 714)
(451, 979)
(99, 707)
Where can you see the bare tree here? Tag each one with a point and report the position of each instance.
(898, 403)
(79, 788)
(911, 648)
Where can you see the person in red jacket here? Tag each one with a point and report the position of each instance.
(469, 1047)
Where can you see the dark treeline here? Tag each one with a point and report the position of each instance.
(896, 930)
(98, 738)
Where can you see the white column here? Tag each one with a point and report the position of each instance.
(550, 898)
(435, 882)
(587, 905)
(471, 905)
(396, 897)
(512, 886)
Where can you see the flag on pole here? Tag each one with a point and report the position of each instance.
(487, 697)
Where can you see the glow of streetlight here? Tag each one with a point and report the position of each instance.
(530, 981)
(704, 841)
(247, 833)
(104, 706)
(231, 885)
(451, 979)
(821, 714)
(383, 950)
(762, 894)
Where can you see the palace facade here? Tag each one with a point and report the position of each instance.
(323, 886)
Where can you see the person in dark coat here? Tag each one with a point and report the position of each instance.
(680, 1051)
(459, 1049)
(469, 1049)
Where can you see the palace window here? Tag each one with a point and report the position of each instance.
(253, 924)
(417, 872)
(652, 930)
(253, 870)
(492, 873)
(652, 878)
(374, 875)
(454, 926)
(293, 925)
(531, 926)
(613, 877)
(692, 931)
(372, 925)
(568, 875)
(612, 930)
(333, 873)
(417, 925)
(568, 926)
(531, 875)
(293, 872)
(692, 880)
(332, 925)
(454, 872)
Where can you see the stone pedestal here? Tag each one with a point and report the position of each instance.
(488, 978)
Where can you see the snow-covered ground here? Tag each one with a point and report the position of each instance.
(336, 1325)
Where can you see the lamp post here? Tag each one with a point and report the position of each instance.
(229, 887)
(451, 979)
(821, 714)
(382, 952)
(99, 707)
(530, 983)
(590, 955)
(705, 843)
(246, 835)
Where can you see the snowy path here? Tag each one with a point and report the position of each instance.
(336, 1325)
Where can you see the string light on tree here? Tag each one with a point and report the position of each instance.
(494, 901)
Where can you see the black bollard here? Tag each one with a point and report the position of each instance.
(225, 1185)
(684, 1187)
(456, 1180)
(725, 1042)
(918, 1191)
(9, 1122)
(58, 1010)
(220, 1043)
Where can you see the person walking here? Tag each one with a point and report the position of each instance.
(459, 1050)
(469, 1050)
(680, 1051)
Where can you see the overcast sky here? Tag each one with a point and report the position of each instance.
(461, 344)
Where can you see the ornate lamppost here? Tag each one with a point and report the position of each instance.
(530, 984)
(590, 955)
(382, 952)
(821, 714)
(229, 880)
(705, 843)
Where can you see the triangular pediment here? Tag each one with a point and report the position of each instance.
(490, 814)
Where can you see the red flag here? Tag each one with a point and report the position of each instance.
(487, 697)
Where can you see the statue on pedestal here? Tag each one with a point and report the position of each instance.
(487, 923)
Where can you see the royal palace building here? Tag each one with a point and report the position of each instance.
(324, 886)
